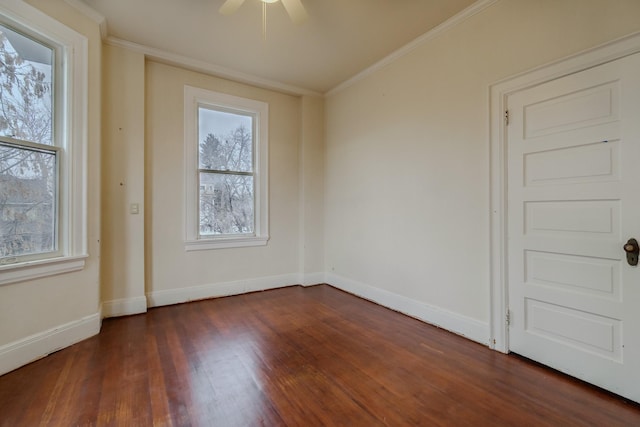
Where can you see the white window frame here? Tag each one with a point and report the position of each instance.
(70, 127)
(194, 98)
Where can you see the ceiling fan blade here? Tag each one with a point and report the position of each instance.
(296, 10)
(230, 6)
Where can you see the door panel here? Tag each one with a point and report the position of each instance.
(597, 277)
(573, 201)
(587, 332)
(588, 106)
(573, 165)
(594, 219)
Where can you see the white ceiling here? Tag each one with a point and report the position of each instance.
(340, 39)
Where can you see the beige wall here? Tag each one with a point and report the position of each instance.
(143, 134)
(312, 189)
(169, 268)
(33, 307)
(122, 178)
(407, 150)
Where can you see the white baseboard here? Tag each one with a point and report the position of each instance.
(310, 279)
(37, 346)
(453, 322)
(124, 307)
(194, 293)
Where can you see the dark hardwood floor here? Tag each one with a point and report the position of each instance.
(296, 357)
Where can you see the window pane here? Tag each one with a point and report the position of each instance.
(226, 204)
(26, 94)
(27, 201)
(226, 141)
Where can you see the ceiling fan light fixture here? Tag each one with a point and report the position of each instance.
(294, 8)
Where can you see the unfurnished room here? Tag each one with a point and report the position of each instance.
(319, 213)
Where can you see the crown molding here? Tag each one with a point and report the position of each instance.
(455, 20)
(90, 13)
(170, 58)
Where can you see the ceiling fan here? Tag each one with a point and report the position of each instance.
(294, 8)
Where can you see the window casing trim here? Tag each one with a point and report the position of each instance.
(194, 98)
(70, 129)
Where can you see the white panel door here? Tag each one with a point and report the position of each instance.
(573, 201)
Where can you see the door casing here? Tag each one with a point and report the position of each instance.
(499, 92)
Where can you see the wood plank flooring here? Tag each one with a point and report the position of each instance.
(293, 357)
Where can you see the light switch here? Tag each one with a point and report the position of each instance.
(134, 209)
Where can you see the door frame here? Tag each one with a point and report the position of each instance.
(499, 93)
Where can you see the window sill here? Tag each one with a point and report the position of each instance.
(19, 272)
(226, 242)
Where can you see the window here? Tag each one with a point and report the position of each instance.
(28, 160)
(226, 170)
(42, 137)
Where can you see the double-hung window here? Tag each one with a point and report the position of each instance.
(42, 117)
(29, 162)
(226, 170)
